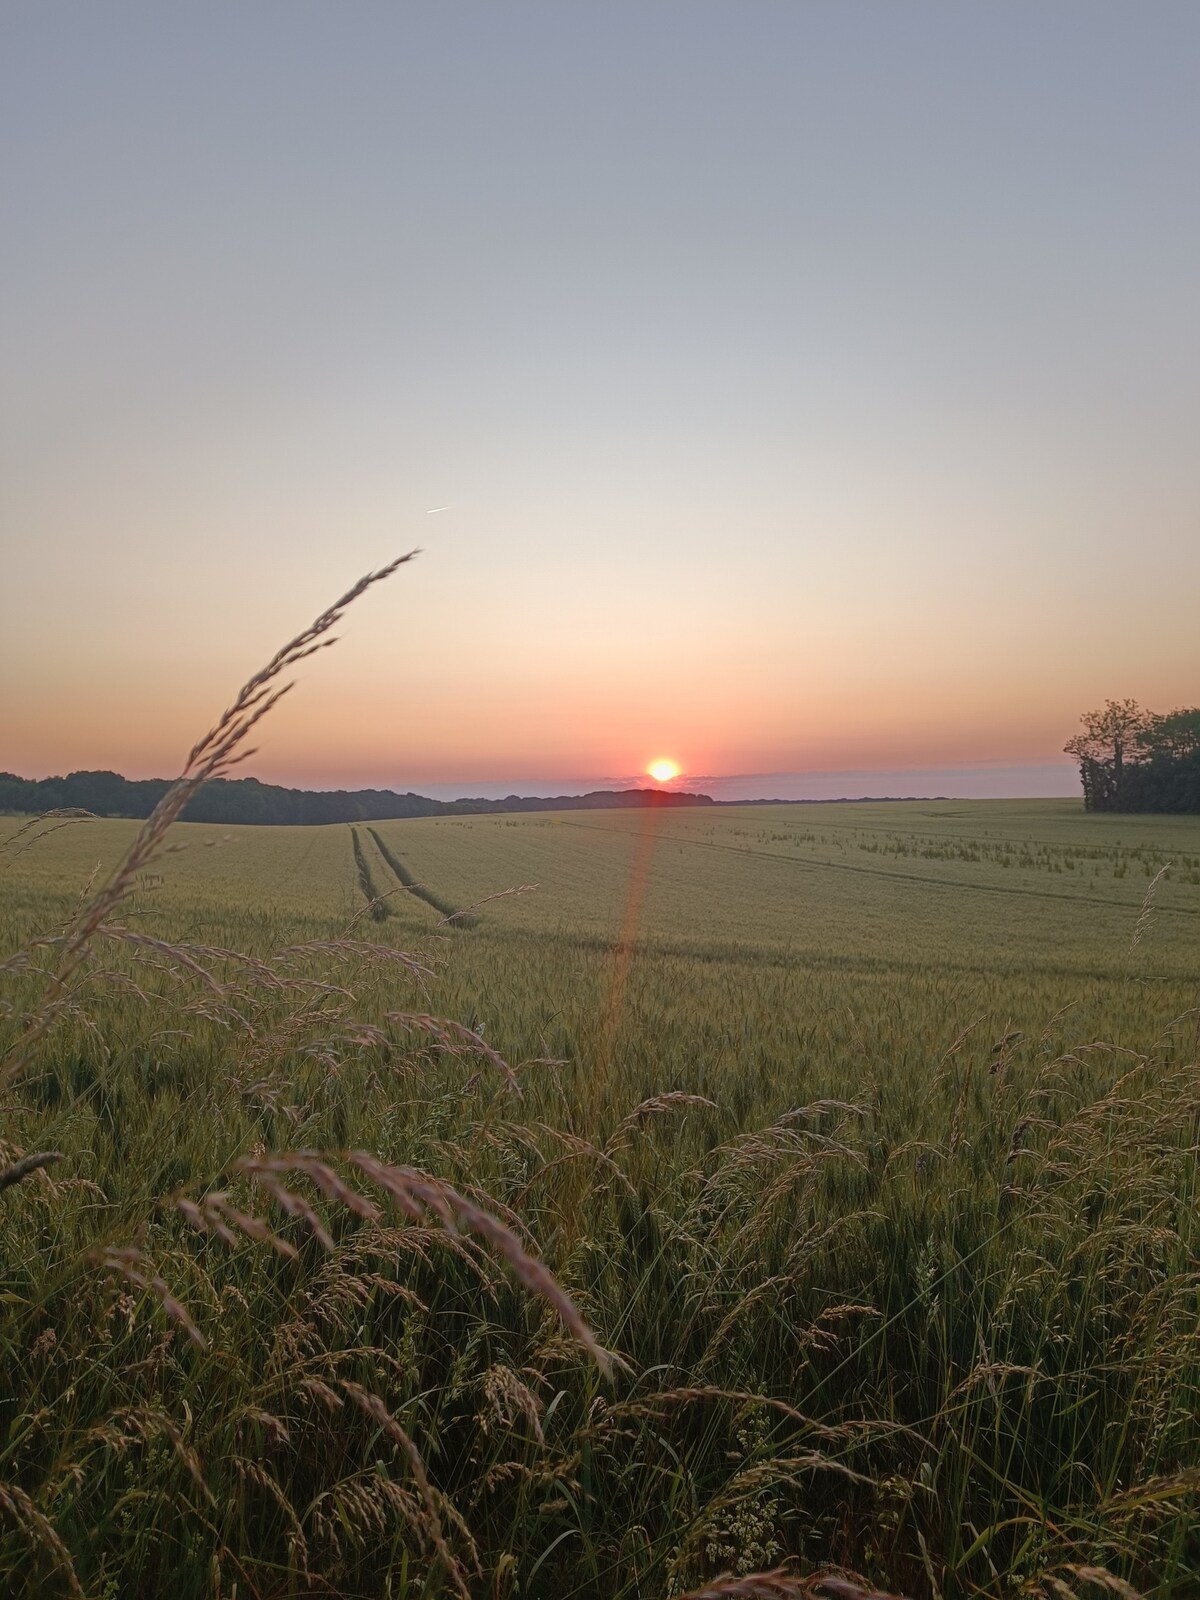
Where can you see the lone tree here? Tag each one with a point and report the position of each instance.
(1108, 739)
(1135, 760)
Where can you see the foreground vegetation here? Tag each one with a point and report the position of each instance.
(878, 1179)
(760, 1206)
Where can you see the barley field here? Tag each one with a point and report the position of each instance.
(862, 1139)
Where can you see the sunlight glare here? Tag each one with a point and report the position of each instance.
(663, 770)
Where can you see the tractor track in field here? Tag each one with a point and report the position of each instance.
(377, 901)
(449, 912)
(1131, 906)
(790, 957)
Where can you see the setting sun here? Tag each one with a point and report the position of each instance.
(663, 770)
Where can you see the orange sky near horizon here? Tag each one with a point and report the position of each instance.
(398, 702)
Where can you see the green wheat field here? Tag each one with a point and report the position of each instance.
(862, 1137)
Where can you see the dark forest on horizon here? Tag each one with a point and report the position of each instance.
(247, 801)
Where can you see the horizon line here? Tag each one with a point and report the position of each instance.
(992, 779)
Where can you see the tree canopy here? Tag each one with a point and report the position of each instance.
(1136, 760)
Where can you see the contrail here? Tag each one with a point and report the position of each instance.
(433, 510)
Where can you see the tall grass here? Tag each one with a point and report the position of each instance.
(329, 1293)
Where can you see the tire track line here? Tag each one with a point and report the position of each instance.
(1131, 906)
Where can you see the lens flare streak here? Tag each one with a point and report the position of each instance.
(623, 950)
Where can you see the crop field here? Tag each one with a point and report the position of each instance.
(863, 1136)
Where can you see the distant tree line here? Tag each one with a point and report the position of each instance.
(1135, 760)
(246, 800)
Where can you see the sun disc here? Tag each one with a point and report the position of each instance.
(663, 770)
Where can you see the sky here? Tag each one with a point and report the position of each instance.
(811, 389)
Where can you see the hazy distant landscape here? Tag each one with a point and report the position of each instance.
(246, 800)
